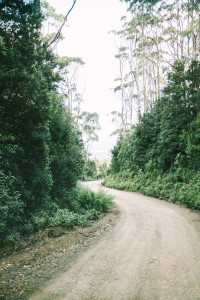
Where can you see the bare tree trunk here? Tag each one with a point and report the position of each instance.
(188, 25)
(177, 29)
(137, 82)
(199, 29)
(144, 85)
(122, 94)
(193, 34)
(143, 68)
(158, 62)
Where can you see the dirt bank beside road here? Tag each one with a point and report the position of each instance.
(45, 255)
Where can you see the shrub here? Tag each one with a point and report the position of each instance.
(81, 199)
(180, 186)
(11, 209)
(81, 205)
(67, 219)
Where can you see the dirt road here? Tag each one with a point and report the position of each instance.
(152, 253)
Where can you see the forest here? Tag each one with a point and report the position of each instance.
(158, 148)
(44, 134)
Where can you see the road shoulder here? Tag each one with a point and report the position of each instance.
(47, 254)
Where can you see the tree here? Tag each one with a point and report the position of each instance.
(25, 105)
(65, 151)
(89, 124)
(140, 64)
(51, 22)
(158, 34)
(141, 2)
(165, 138)
(72, 98)
(57, 35)
(41, 149)
(32, 112)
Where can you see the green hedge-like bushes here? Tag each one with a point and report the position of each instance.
(173, 187)
(160, 155)
(81, 206)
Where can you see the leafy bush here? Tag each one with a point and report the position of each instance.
(81, 199)
(81, 205)
(11, 209)
(182, 188)
(67, 219)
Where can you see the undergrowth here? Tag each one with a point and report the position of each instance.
(81, 205)
(181, 187)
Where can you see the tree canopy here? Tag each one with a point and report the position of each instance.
(41, 146)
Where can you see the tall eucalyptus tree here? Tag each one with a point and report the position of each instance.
(157, 34)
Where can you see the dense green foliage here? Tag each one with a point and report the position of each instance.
(24, 107)
(81, 205)
(65, 152)
(40, 147)
(160, 156)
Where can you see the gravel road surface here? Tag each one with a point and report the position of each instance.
(153, 252)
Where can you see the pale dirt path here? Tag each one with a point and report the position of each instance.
(153, 252)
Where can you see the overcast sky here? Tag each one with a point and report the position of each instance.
(86, 36)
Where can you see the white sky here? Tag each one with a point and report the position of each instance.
(86, 36)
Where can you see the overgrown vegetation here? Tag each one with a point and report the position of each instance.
(41, 148)
(158, 151)
(160, 156)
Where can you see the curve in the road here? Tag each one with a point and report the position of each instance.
(152, 253)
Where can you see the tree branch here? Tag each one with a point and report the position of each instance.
(57, 35)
